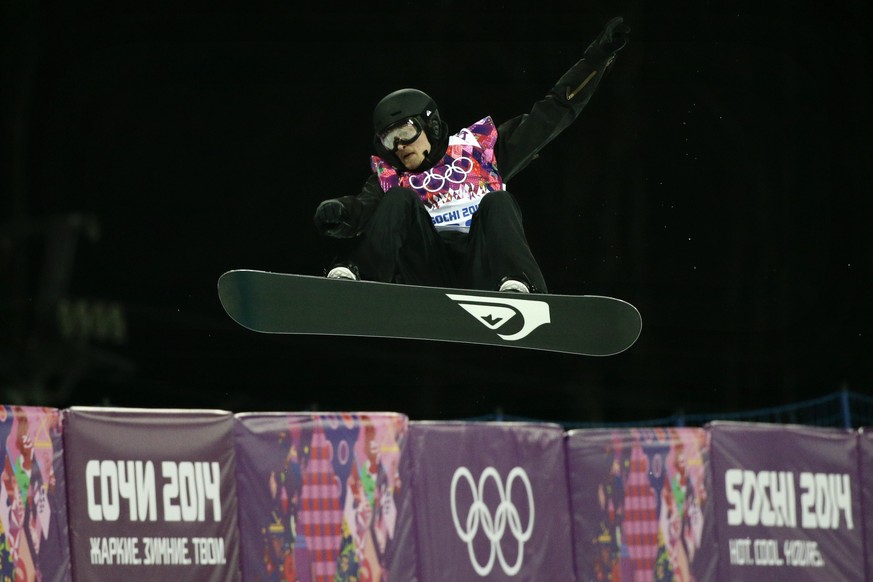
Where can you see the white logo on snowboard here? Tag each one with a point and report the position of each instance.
(493, 313)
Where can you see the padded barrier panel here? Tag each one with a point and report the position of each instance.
(865, 441)
(788, 503)
(33, 505)
(642, 509)
(317, 494)
(489, 501)
(152, 495)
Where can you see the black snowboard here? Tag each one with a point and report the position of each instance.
(301, 304)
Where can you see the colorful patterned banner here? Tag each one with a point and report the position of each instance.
(33, 511)
(787, 502)
(489, 501)
(641, 505)
(152, 495)
(316, 494)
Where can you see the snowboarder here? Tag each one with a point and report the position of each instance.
(435, 211)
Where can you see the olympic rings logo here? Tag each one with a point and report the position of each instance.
(455, 173)
(494, 526)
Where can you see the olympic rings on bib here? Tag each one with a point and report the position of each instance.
(433, 181)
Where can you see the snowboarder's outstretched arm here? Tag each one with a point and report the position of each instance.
(521, 138)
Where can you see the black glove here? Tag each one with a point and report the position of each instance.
(332, 217)
(610, 41)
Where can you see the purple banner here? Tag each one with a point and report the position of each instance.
(33, 517)
(788, 503)
(489, 501)
(641, 505)
(865, 439)
(152, 495)
(316, 494)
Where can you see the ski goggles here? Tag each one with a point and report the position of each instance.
(402, 133)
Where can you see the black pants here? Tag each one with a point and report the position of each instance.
(400, 244)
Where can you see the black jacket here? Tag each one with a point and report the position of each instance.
(519, 139)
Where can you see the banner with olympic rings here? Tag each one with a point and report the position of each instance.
(488, 501)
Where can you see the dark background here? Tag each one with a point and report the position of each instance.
(718, 180)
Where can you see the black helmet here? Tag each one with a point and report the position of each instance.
(409, 104)
(403, 104)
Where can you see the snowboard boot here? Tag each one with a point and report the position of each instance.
(514, 285)
(346, 272)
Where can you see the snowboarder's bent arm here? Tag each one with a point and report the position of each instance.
(346, 216)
